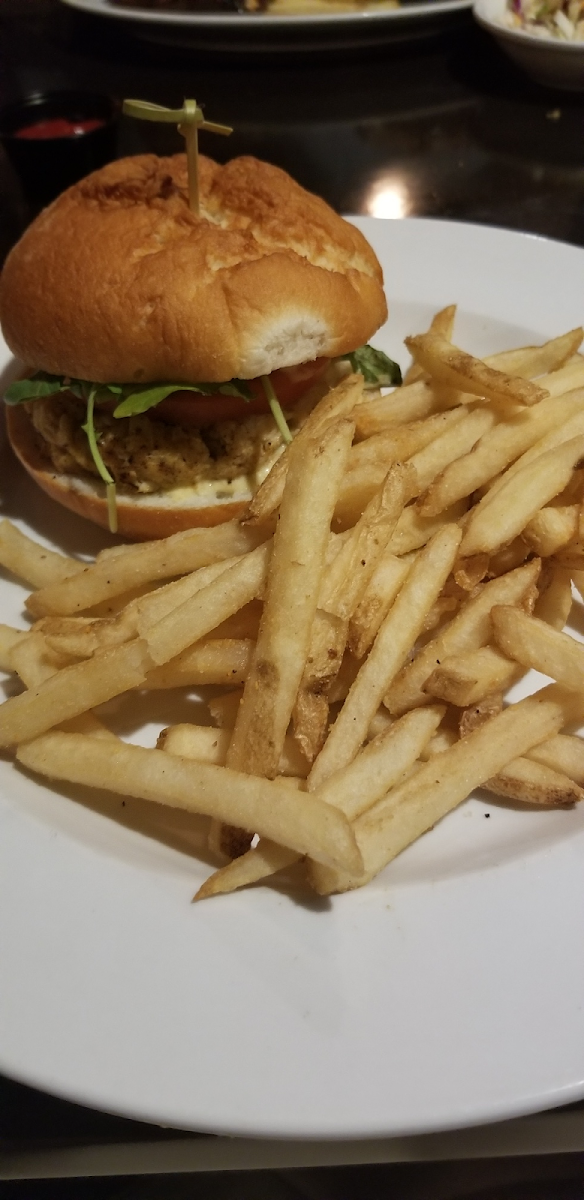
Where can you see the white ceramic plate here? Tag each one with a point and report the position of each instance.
(447, 992)
(260, 30)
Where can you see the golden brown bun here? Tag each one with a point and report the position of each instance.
(118, 281)
(141, 518)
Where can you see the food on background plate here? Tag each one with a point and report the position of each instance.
(275, 7)
(561, 19)
(364, 659)
(163, 347)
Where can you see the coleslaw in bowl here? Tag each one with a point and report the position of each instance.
(563, 19)
(530, 33)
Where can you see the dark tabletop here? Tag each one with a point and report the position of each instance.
(445, 119)
(442, 121)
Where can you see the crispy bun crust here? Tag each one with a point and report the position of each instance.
(139, 518)
(119, 281)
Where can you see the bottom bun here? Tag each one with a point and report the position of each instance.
(141, 517)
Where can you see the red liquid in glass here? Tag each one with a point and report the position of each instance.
(58, 127)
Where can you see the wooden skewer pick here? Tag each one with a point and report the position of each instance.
(189, 119)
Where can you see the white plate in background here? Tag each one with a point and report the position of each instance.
(448, 992)
(263, 31)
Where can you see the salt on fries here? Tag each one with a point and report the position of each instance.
(408, 557)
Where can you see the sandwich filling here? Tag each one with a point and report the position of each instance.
(145, 455)
(160, 437)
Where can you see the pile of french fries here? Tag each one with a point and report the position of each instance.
(408, 558)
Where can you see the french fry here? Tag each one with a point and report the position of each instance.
(497, 449)
(345, 678)
(551, 529)
(563, 753)
(397, 634)
(261, 861)
(359, 488)
(421, 398)
(554, 602)
(113, 575)
(468, 631)
(571, 557)
(9, 638)
(531, 361)
(32, 562)
(530, 782)
(342, 586)
(295, 819)
(347, 577)
(469, 572)
(443, 323)
(451, 445)
(206, 744)
(376, 602)
(572, 703)
(455, 368)
(217, 661)
(413, 530)
(475, 715)
(444, 607)
(80, 637)
(567, 378)
(34, 660)
(310, 713)
(441, 784)
(315, 471)
(380, 765)
(72, 691)
(337, 404)
(90, 725)
(145, 611)
(560, 432)
(442, 740)
(534, 644)
(413, 402)
(399, 443)
(207, 608)
(508, 558)
(465, 679)
(578, 581)
(500, 518)
(379, 723)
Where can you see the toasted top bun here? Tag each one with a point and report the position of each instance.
(119, 281)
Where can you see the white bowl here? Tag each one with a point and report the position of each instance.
(551, 61)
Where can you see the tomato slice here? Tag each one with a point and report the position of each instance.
(289, 383)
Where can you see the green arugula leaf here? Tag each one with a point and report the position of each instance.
(43, 384)
(135, 400)
(89, 430)
(141, 400)
(278, 415)
(30, 389)
(235, 387)
(375, 366)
